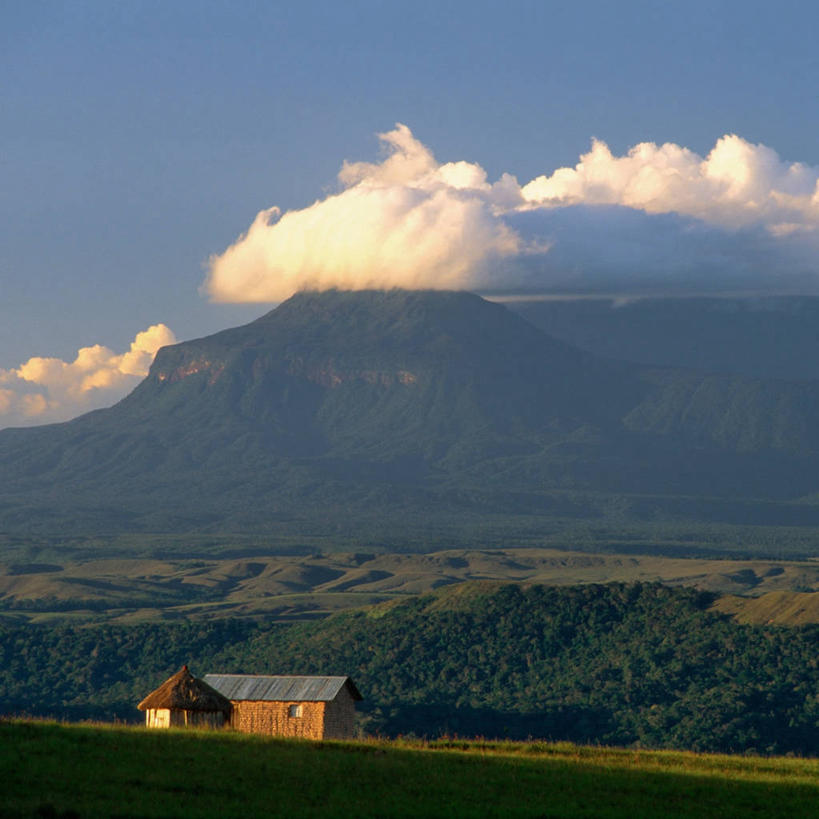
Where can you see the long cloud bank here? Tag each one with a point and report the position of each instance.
(659, 218)
(44, 390)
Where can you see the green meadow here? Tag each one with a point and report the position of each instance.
(61, 770)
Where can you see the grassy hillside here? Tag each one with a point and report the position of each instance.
(793, 608)
(72, 771)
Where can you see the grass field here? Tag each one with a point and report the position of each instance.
(57, 770)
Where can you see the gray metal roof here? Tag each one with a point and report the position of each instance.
(292, 689)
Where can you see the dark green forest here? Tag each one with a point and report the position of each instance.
(639, 665)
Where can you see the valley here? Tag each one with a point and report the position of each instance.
(495, 532)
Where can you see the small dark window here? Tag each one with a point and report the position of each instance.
(294, 711)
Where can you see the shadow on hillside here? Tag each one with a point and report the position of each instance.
(568, 722)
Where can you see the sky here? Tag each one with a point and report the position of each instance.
(168, 169)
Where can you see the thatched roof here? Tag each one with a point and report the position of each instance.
(184, 692)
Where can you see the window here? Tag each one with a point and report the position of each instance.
(294, 711)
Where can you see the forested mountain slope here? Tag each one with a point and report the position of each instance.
(638, 664)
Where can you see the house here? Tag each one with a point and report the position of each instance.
(184, 701)
(310, 707)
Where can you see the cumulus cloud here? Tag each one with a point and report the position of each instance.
(657, 217)
(737, 185)
(406, 222)
(44, 390)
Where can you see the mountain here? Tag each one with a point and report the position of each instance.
(418, 411)
(757, 337)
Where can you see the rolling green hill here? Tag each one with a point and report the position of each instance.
(412, 417)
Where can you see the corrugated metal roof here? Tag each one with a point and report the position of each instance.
(258, 687)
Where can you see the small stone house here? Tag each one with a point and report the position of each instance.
(185, 702)
(309, 707)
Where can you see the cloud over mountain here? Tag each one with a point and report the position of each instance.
(406, 222)
(43, 390)
(659, 217)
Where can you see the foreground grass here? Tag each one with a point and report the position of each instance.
(54, 770)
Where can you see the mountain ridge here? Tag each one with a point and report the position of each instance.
(412, 404)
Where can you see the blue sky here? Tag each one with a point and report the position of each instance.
(139, 138)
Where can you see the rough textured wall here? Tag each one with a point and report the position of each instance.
(158, 718)
(339, 716)
(272, 718)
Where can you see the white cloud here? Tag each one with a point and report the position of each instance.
(406, 222)
(43, 390)
(737, 185)
(740, 215)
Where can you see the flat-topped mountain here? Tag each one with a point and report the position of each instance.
(417, 407)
